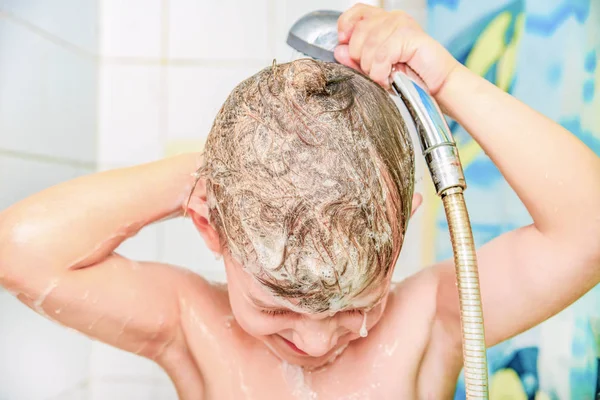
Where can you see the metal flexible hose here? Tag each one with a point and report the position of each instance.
(465, 261)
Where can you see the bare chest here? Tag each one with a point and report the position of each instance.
(388, 372)
(387, 365)
(381, 366)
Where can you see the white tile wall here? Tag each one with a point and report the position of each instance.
(21, 177)
(55, 95)
(225, 29)
(40, 359)
(129, 115)
(196, 93)
(79, 392)
(116, 374)
(131, 390)
(144, 246)
(74, 21)
(164, 392)
(110, 363)
(130, 28)
(47, 96)
(125, 390)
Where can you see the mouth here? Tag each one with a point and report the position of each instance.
(292, 346)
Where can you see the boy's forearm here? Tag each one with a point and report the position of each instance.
(78, 223)
(555, 175)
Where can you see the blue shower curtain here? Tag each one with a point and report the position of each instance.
(546, 53)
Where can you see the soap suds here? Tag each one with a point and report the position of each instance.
(243, 386)
(124, 326)
(390, 350)
(272, 350)
(94, 322)
(38, 304)
(336, 354)
(294, 376)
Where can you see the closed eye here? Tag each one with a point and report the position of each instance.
(353, 312)
(281, 312)
(275, 312)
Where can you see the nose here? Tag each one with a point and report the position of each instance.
(316, 338)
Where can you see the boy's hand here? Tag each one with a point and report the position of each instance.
(373, 41)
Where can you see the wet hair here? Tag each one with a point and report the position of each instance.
(309, 172)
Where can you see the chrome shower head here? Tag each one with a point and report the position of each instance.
(315, 34)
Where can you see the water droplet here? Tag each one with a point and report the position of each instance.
(363, 329)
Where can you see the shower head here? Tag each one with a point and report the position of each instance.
(315, 34)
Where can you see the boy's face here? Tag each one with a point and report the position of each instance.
(294, 335)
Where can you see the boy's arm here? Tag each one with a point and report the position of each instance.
(532, 273)
(56, 254)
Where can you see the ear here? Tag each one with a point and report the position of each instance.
(198, 212)
(416, 202)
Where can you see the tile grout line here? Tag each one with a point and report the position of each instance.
(99, 97)
(82, 384)
(272, 34)
(47, 35)
(121, 60)
(47, 159)
(163, 121)
(97, 128)
(184, 62)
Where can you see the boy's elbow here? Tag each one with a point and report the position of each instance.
(592, 242)
(18, 244)
(579, 235)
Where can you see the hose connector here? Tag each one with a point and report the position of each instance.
(437, 144)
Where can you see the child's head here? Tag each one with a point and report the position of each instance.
(309, 175)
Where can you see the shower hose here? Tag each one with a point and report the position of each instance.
(465, 261)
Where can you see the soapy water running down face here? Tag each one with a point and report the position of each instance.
(308, 174)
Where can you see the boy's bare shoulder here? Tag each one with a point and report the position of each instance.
(411, 310)
(417, 292)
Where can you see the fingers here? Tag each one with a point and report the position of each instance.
(373, 41)
(348, 20)
(363, 30)
(383, 28)
(389, 53)
(342, 55)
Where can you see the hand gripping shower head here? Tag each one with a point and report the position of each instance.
(315, 35)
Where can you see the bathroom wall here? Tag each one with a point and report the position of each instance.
(101, 84)
(48, 134)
